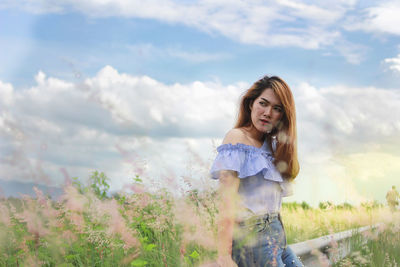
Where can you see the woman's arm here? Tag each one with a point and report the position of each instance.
(229, 184)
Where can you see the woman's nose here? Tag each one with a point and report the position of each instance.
(268, 111)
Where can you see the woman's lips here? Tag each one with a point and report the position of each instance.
(264, 122)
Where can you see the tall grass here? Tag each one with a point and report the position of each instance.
(375, 248)
(303, 224)
(86, 227)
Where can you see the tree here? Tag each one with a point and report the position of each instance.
(99, 184)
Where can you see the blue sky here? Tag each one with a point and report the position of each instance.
(60, 44)
(85, 78)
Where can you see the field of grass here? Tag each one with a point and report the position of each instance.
(303, 224)
(88, 228)
(380, 248)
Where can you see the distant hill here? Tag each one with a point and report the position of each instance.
(15, 189)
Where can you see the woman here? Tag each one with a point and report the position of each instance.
(255, 165)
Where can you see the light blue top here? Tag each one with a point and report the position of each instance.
(261, 185)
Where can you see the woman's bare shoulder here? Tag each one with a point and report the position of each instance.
(234, 136)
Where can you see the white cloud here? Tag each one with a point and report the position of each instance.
(380, 18)
(197, 57)
(304, 24)
(393, 63)
(314, 12)
(340, 117)
(152, 107)
(348, 137)
(6, 94)
(148, 50)
(124, 125)
(309, 25)
(82, 126)
(353, 53)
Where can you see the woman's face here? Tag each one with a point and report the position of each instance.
(266, 111)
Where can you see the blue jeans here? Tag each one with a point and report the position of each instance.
(262, 242)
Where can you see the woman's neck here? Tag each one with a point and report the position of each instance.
(255, 134)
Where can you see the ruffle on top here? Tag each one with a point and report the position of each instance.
(248, 161)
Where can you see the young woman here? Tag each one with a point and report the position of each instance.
(255, 165)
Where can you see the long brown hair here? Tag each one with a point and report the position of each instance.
(285, 132)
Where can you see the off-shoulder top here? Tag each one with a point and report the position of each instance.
(261, 185)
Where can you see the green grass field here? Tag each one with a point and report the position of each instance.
(87, 228)
(377, 250)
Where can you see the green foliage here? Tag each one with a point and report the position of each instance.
(370, 205)
(80, 230)
(325, 205)
(139, 263)
(382, 250)
(344, 206)
(136, 179)
(99, 184)
(305, 206)
(295, 206)
(160, 235)
(194, 255)
(78, 185)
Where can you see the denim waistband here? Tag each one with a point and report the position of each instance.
(259, 219)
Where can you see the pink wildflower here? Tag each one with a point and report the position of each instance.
(136, 188)
(34, 223)
(74, 200)
(78, 221)
(23, 245)
(41, 199)
(182, 250)
(32, 260)
(130, 257)
(69, 236)
(5, 215)
(195, 228)
(117, 224)
(131, 158)
(52, 215)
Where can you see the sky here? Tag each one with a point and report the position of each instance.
(150, 88)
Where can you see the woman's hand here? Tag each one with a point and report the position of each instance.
(226, 261)
(223, 261)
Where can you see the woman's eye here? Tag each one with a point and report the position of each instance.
(263, 103)
(278, 109)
